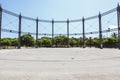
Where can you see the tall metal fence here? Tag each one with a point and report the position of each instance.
(91, 26)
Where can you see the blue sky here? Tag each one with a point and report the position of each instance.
(57, 9)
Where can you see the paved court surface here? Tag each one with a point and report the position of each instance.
(60, 64)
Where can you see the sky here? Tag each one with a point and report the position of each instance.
(57, 10)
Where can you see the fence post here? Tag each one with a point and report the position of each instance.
(100, 32)
(0, 24)
(52, 33)
(83, 24)
(19, 32)
(118, 19)
(68, 32)
(36, 33)
(90, 42)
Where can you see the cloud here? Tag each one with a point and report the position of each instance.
(113, 26)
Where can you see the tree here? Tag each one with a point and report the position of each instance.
(73, 42)
(61, 41)
(96, 42)
(80, 41)
(58, 41)
(45, 41)
(89, 42)
(39, 42)
(109, 42)
(27, 40)
(65, 40)
(6, 42)
(14, 42)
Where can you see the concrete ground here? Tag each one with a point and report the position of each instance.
(60, 64)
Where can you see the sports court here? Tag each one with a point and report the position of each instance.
(60, 64)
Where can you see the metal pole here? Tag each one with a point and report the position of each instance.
(19, 33)
(36, 33)
(118, 19)
(0, 24)
(83, 24)
(52, 33)
(90, 42)
(68, 32)
(100, 32)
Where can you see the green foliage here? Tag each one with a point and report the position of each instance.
(64, 40)
(59, 41)
(96, 42)
(109, 42)
(5, 42)
(90, 42)
(14, 42)
(39, 42)
(80, 41)
(27, 40)
(74, 42)
(45, 42)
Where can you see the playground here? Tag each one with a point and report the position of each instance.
(60, 64)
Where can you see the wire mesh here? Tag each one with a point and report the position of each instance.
(9, 26)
